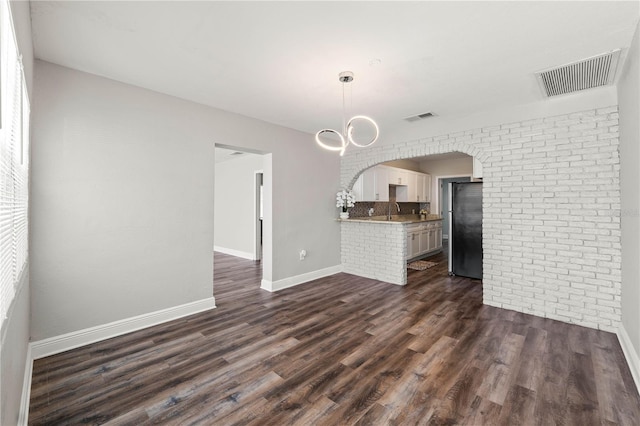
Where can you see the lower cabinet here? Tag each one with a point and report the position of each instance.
(423, 238)
(414, 246)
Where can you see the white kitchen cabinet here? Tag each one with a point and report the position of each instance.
(398, 176)
(415, 243)
(416, 190)
(412, 186)
(431, 240)
(372, 185)
(438, 237)
(382, 184)
(425, 195)
(423, 238)
(423, 188)
(364, 186)
(419, 187)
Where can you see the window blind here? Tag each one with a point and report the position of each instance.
(14, 163)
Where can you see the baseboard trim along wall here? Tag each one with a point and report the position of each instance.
(633, 360)
(233, 252)
(23, 415)
(76, 339)
(273, 286)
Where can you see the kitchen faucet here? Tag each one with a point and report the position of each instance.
(389, 210)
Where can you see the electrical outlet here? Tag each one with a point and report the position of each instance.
(303, 254)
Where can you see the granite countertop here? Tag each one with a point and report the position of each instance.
(397, 219)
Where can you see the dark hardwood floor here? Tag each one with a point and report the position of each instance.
(342, 350)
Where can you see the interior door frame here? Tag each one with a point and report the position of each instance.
(258, 181)
(266, 262)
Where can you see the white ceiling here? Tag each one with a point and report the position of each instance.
(279, 61)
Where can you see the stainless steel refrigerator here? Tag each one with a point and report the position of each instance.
(465, 229)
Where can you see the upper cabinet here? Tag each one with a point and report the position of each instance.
(398, 176)
(410, 192)
(382, 184)
(421, 191)
(372, 185)
(424, 190)
(417, 189)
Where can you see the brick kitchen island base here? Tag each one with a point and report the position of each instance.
(375, 249)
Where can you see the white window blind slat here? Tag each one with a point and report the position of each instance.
(14, 163)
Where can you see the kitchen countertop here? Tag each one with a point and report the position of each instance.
(395, 219)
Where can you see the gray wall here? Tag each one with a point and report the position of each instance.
(15, 329)
(123, 207)
(629, 106)
(234, 203)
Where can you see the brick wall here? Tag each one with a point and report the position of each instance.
(374, 250)
(551, 211)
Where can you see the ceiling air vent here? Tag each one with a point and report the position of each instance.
(596, 71)
(420, 116)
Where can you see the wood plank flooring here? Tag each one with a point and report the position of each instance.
(342, 350)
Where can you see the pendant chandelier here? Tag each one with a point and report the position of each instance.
(346, 137)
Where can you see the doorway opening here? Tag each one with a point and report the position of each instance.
(434, 171)
(242, 200)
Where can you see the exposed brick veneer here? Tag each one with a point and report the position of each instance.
(551, 207)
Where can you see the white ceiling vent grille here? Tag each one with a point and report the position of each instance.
(592, 72)
(420, 116)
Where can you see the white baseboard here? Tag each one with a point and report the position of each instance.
(23, 415)
(236, 253)
(65, 342)
(633, 359)
(299, 279)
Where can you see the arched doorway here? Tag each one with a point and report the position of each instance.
(387, 254)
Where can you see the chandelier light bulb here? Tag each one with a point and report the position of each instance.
(350, 130)
(343, 142)
(347, 138)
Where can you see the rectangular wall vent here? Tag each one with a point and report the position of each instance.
(420, 116)
(599, 70)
